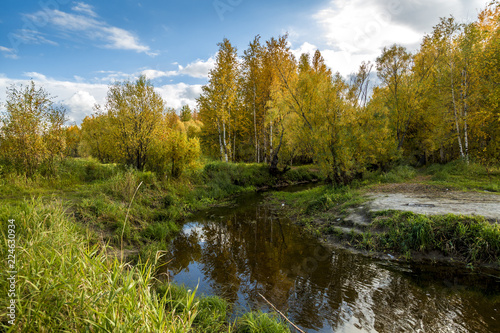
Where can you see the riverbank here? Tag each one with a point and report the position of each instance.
(88, 241)
(420, 217)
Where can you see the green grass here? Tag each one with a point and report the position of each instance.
(472, 239)
(64, 284)
(70, 280)
(318, 200)
(462, 176)
(259, 322)
(398, 174)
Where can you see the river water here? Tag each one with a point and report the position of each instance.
(240, 251)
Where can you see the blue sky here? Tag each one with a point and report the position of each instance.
(76, 49)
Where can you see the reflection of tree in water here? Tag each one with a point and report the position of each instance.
(250, 250)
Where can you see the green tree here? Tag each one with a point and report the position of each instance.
(186, 113)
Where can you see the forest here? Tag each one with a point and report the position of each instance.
(110, 194)
(436, 105)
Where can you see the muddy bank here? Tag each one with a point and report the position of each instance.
(433, 200)
(354, 230)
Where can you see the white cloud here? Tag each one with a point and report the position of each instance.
(79, 104)
(197, 69)
(155, 74)
(361, 26)
(32, 37)
(8, 53)
(304, 48)
(84, 8)
(90, 27)
(177, 95)
(80, 97)
(123, 40)
(35, 76)
(357, 30)
(76, 96)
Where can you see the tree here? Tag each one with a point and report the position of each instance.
(134, 110)
(32, 133)
(218, 101)
(73, 136)
(97, 137)
(186, 113)
(394, 70)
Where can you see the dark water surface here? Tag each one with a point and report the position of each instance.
(239, 251)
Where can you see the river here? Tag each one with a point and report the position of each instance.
(247, 248)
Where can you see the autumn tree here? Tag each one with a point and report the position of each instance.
(73, 136)
(186, 113)
(97, 138)
(394, 70)
(134, 109)
(256, 85)
(32, 133)
(218, 102)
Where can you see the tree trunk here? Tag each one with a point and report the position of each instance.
(255, 128)
(455, 113)
(466, 107)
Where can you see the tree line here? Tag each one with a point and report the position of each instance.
(133, 128)
(437, 104)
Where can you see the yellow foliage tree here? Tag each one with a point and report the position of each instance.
(32, 133)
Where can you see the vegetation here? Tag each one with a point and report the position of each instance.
(436, 105)
(472, 240)
(134, 168)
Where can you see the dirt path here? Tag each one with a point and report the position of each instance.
(433, 200)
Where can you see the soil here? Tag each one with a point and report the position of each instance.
(433, 200)
(421, 199)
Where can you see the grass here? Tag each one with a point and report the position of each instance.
(471, 239)
(462, 176)
(314, 207)
(69, 277)
(66, 284)
(398, 174)
(259, 322)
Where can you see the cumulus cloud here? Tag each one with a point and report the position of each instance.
(88, 25)
(80, 97)
(77, 97)
(304, 48)
(197, 69)
(357, 30)
(177, 95)
(79, 105)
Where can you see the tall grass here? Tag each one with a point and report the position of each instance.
(64, 284)
(472, 239)
(463, 176)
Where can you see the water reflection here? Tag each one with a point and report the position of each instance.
(247, 249)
